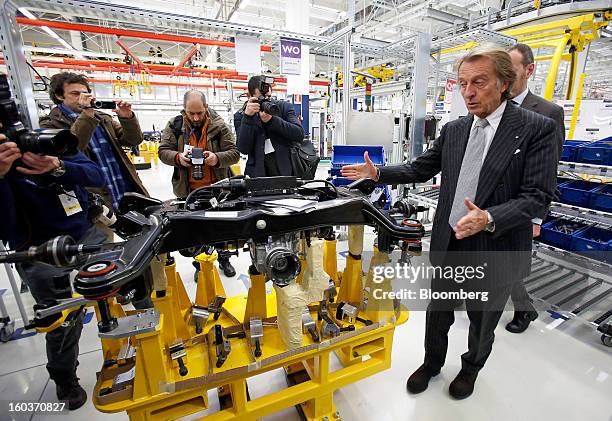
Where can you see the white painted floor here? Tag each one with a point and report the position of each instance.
(550, 372)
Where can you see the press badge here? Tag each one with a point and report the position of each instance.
(70, 203)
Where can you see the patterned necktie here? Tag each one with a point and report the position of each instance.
(467, 183)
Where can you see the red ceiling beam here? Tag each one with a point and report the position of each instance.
(189, 54)
(161, 69)
(131, 54)
(128, 33)
(192, 85)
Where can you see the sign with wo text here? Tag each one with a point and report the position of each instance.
(290, 56)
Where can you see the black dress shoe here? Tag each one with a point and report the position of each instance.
(463, 385)
(419, 380)
(521, 321)
(71, 392)
(227, 268)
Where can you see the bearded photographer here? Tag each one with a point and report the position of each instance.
(201, 147)
(42, 197)
(266, 131)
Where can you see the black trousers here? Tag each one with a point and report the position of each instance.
(48, 283)
(270, 165)
(483, 315)
(520, 298)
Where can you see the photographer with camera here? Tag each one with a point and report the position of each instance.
(100, 136)
(267, 130)
(201, 147)
(41, 197)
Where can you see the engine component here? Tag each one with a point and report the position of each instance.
(277, 258)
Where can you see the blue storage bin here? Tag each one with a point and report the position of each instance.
(550, 235)
(601, 198)
(598, 153)
(349, 154)
(577, 192)
(594, 242)
(570, 149)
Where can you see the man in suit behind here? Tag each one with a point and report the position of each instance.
(498, 167)
(524, 65)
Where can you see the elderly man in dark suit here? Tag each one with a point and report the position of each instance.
(524, 65)
(498, 169)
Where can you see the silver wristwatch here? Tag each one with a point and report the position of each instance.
(59, 171)
(490, 227)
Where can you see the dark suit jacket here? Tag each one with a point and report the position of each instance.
(517, 181)
(539, 105)
(548, 109)
(283, 131)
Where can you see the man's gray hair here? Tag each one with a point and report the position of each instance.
(194, 94)
(501, 60)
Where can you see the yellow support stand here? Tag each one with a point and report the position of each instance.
(351, 290)
(256, 298)
(209, 282)
(159, 392)
(330, 260)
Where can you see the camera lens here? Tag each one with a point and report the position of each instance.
(270, 107)
(197, 172)
(54, 142)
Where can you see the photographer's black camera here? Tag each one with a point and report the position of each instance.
(267, 104)
(103, 105)
(44, 142)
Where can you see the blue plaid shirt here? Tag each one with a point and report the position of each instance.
(105, 158)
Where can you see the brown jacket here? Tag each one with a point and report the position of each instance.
(219, 139)
(126, 132)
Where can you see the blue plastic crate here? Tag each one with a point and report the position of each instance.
(594, 242)
(598, 153)
(349, 154)
(601, 198)
(577, 192)
(570, 149)
(549, 235)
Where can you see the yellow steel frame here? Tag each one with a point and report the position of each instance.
(158, 392)
(575, 32)
(576, 110)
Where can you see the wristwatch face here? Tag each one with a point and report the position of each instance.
(59, 171)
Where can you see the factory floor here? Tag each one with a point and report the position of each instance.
(556, 370)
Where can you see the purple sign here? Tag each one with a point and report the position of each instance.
(290, 56)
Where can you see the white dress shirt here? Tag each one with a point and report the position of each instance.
(521, 97)
(489, 131)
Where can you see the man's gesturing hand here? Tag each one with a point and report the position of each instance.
(472, 223)
(358, 171)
